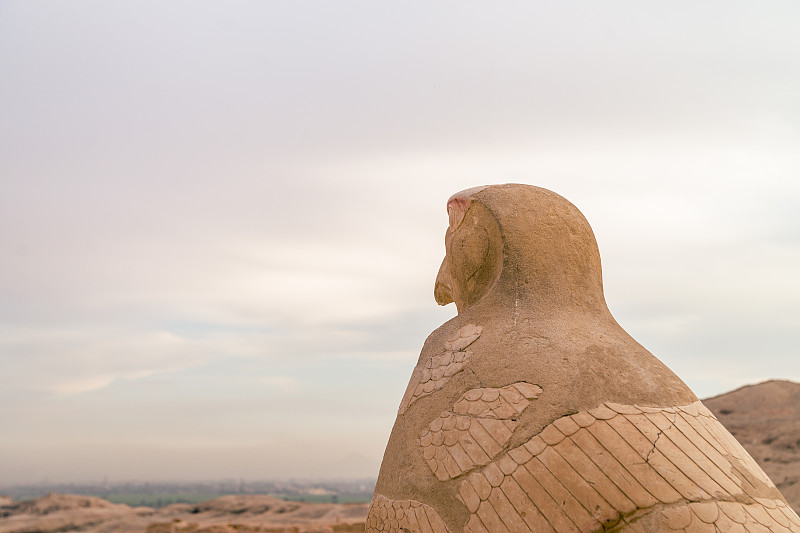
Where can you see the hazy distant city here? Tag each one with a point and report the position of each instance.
(160, 494)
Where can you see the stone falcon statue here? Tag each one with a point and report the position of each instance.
(533, 410)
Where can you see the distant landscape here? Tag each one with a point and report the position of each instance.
(161, 494)
(764, 417)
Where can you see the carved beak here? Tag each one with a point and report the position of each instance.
(443, 291)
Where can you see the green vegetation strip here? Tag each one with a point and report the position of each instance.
(157, 499)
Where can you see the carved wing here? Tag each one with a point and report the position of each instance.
(434, 374)
(620, 467)
(395, 516)
(479, 427)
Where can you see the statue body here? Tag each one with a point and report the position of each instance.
(533, 410)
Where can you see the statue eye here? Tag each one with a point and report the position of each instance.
(470, 248)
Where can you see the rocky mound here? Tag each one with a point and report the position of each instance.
(63, 512)
(765, 418)
(53, 503)
(251, 504)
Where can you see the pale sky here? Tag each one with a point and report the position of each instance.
(220, 222)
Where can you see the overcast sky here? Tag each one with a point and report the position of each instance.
(220, 222)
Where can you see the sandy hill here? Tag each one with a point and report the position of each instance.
(765, 418)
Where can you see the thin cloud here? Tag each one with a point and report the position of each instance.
(281, 383)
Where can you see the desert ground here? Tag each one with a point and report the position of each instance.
(764, 417)
(229, 514)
